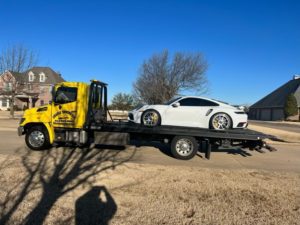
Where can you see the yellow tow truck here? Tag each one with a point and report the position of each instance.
(78, 115)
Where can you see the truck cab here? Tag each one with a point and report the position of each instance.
(75, 106)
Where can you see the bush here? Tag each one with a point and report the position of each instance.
(291, 106)
(122, 101)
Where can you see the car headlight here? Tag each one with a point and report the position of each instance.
(239, 112)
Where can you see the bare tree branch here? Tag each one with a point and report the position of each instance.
(161, 79)
(17, 58)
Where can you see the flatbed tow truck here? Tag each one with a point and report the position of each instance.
(79, 115)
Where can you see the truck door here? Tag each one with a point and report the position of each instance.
(64, 110)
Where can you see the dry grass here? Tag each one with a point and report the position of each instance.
(150, 194)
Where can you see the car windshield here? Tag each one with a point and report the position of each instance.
(138, 106)
(172, 100)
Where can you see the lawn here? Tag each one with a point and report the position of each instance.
(98, 187)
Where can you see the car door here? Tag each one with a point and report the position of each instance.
(191, 112)
(182, 114)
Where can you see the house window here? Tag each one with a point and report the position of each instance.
(42, 77)
(5, 102)
(42, 102)
(31, 76)
(8, 86)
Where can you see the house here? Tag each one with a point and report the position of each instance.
(271, 107)
(31, 88)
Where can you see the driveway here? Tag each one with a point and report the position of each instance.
(287, 158)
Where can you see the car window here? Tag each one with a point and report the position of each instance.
(196, 102)
(172, 100)
(65, 95)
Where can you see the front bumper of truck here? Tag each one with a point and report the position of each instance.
(20, 131)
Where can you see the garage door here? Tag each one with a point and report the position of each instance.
(278, 114)
(265, 114)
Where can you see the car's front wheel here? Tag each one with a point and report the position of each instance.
(151, 118)
(220, 121)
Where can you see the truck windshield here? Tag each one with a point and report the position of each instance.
(65, 95)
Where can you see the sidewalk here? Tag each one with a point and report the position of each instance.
(6, 114)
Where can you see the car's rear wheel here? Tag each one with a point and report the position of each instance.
(151, 118)
(221, 121)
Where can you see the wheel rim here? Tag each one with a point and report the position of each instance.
(36, 139)
(221, 121)
(150, 118)
(184, 147)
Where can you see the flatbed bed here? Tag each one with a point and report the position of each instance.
(129, 127)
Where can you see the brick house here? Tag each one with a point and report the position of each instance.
(31, 88)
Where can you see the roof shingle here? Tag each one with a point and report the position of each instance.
(278, 97)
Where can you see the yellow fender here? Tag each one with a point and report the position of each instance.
(50, 132)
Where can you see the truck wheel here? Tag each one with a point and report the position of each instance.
(37, 138)
(184, 147)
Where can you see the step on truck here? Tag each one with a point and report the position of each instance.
(78, 115)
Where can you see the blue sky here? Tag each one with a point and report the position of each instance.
(252, 47)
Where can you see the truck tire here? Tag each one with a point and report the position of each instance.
(184, 147)
(37, 138)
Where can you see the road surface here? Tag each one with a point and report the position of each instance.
(287, 158)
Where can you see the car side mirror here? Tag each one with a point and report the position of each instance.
(176, 104)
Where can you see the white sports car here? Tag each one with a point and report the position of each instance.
(191, 111)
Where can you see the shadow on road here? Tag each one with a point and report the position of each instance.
(56, 172)
(234, 151)
(165, 149)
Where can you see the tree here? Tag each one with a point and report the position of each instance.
(16, 58)
(161, 79)
(122, 101)
(291, 106)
